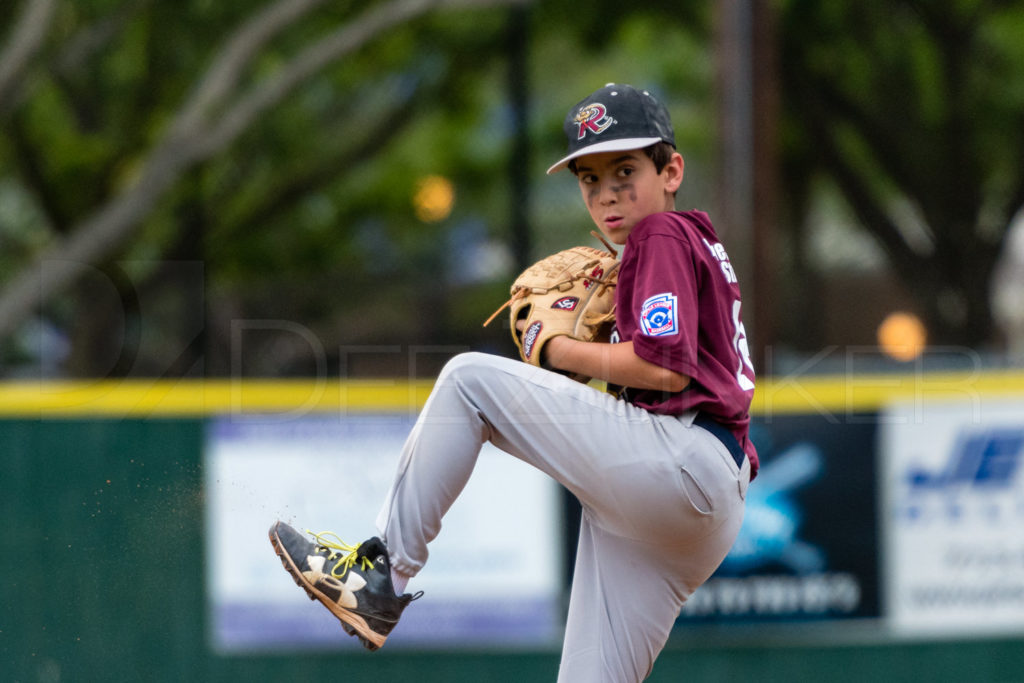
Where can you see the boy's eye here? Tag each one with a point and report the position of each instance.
(625, 171)
(588, 178)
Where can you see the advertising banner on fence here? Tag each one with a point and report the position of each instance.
(807, 549)
(954, 517)
(493, 578)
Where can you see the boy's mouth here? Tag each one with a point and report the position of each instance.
(613, 221)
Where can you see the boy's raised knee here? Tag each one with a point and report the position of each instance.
(473, 365)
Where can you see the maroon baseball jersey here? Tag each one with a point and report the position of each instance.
(678, 301)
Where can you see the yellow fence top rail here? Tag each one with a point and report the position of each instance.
(196, 398)
(185, 398)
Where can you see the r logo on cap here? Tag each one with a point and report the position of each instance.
(593, 117)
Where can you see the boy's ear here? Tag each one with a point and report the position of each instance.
(674, 172)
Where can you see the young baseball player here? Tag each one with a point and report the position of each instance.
(661, 468)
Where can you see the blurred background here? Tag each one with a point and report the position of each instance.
(206, 205)
(374, 174)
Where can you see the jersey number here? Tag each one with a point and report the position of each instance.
(739, 344)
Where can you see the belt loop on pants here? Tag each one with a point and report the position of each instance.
(724, 435)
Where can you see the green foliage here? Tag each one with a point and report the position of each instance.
(308, 216)
(913, 105)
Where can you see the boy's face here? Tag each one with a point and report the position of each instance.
(621, 188)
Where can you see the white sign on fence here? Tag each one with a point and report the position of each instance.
(953, 517)
(493, 577)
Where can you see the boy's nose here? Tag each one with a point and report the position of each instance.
(609, 193)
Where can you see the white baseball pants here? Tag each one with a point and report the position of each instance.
(662, 500)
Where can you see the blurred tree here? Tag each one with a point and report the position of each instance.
(914, 111)
(142, 138)
(190, 187)
(201, 188)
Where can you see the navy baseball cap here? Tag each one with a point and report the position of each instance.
(616, 118)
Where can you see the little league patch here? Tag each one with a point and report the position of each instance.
(658, 315)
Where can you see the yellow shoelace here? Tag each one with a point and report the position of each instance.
(337, 544)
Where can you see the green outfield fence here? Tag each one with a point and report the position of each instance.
(103, 547)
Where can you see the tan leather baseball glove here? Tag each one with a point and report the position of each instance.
(568, 293)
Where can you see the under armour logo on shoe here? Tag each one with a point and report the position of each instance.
(344, 591)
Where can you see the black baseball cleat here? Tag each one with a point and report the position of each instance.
(353, 582)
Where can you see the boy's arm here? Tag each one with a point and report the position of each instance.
(614, 363)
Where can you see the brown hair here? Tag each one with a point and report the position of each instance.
(659, 153)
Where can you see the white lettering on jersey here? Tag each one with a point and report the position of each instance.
(739, 338)
(718, 253)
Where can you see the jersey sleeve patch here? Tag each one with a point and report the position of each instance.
(658, 315)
